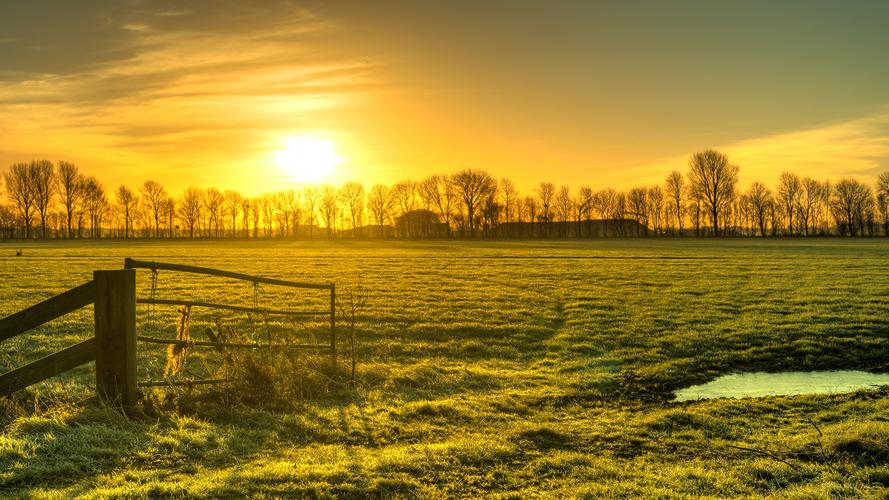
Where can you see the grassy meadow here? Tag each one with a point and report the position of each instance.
(504, 369)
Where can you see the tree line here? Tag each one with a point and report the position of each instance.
(56, 200)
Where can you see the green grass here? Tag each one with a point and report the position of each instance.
(499, 369)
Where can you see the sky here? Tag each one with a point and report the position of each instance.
(574, 92)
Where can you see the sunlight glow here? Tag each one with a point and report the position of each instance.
(308, 159)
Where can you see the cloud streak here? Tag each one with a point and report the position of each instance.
(218, 95)
(857, 148)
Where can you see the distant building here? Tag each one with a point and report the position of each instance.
(572, 229)
(367, 232)
(420, 224)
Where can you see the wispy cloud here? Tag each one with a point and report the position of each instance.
(852, 148)
(189, 103)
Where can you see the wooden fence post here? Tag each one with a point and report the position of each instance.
(333, 323)
(115, 315)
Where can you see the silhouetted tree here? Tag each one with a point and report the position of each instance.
(96, 204)
(154, 195)
(69, 181)
(637, 203)
(603, 203)
(329, 208)
(41, 176)
(404, 197)
(379, 202)
(473, 187)
(675, 191)
(713, 179)
(789, 193)
(191, 209)
(352, 195)
(583, 205)
(810, 194)
(760, 199)
(508, 196)
(213, 200)
(850, 199)
(232, 204)
(883, 200)
(310, 200)
(445, 199)
(21, 189)
(656, 204)
(529, 204)
(126, 201)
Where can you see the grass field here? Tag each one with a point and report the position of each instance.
(503, 369)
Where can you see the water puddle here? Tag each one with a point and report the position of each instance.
(759, 384)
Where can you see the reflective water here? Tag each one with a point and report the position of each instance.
(759, 384)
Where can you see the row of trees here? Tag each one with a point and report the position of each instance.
(47, 200)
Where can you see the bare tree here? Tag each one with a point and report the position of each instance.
(675, 191)
(564, 206)
(404, 196)
(96, 205)
(530, 209)
(69, 181)
(352, 195)
(810, 194)
(760, 199)
(168, 215)
(638, 205)
(310, 200)
(508, 196)
(883, 200)
(256, 213)
(603, 203)
(713, 179)
(656, 204)
(246, 207)
(330, 206)
(213, 200)
(445, 199)
(154, 195)
(849, 202)
(546, 192)
(21, 190)
(473, 187)
(190, 210)
(379, 203)
(583, 205)
(267, 208)
(126, 201)
(232, 205)
(41, 174)
(789, 192)
(7, 222)
(427, 189)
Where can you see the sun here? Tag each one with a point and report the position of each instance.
(308, 159)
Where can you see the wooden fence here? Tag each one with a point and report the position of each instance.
(113, 347)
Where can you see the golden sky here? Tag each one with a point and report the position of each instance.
(573, 92)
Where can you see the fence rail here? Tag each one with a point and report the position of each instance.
(115, 365)
(212, 305)
(113, 346)
(49, 366)
(141, 264)
(48, 310)
(155, 266)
